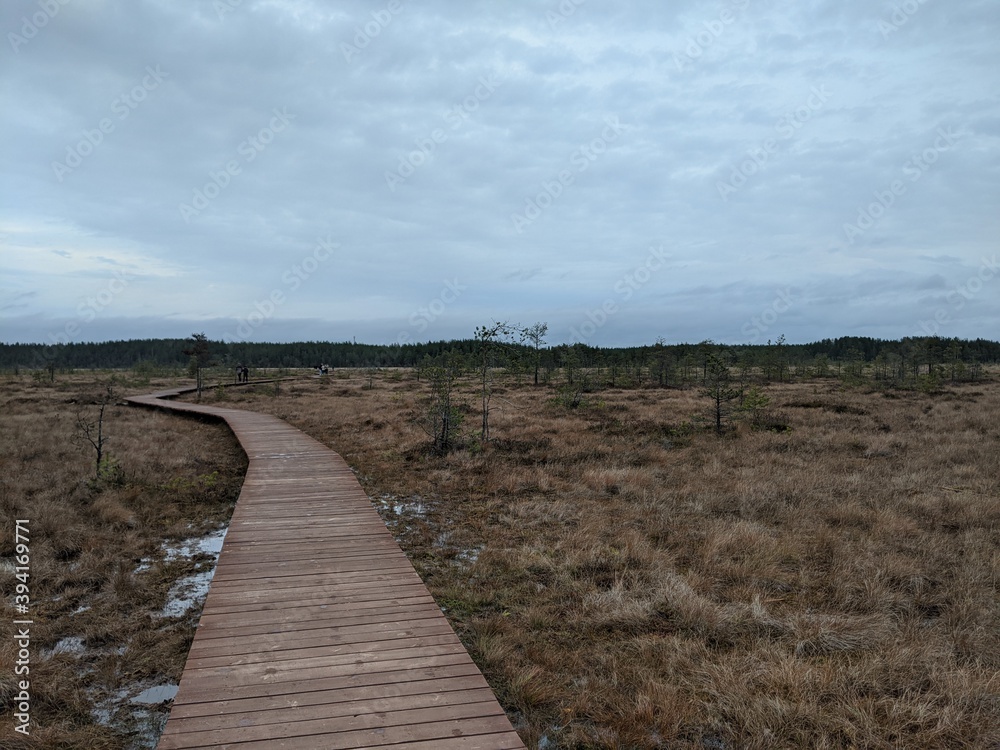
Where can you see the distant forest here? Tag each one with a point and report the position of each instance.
(915, 354)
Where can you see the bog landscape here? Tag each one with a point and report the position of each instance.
(672, 546)
(500, 376)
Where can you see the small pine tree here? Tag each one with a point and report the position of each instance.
(536, 335)
(753, 405)
(200, 357)
(719, 388)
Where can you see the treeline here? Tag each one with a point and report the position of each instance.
(172, 353)
(661, 361)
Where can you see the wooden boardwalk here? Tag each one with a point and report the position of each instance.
(317, 632)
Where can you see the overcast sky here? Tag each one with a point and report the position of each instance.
(281, 170)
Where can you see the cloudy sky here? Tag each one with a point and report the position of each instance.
(279, 170)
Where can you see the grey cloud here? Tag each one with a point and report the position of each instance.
(324, 174)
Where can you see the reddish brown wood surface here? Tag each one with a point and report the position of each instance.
(317, 632)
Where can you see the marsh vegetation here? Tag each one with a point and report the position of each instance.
(823, 574)
(113, 564)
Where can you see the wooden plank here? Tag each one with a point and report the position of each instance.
(401, 615)
(317, 567)
(229, 683)
(303, 638)
(420, 723)
(248, 601)
(249, 552)
(214, 709)
(383, 681)
(290, 669)
(317, 631)
(335, 707)
(359, 576)
(308, 653)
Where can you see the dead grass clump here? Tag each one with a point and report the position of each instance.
(111, 512)
(818, 635)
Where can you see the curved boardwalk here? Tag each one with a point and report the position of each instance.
(317, 632)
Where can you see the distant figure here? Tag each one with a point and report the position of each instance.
(246, 374)
(324, 369)
(239, 373)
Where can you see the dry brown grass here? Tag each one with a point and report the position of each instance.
(622, 579)
(625, 581)
(87, 538)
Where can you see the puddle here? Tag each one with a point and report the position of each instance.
(155, 695)
(398, 512)
(187, 593)
(210, 544)
(140, 709)
(415, 508)
(104, 710)
(469, 556)
(190, 591)
(74, 645)
(143, 715)
(412, 507)
(149, 725)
